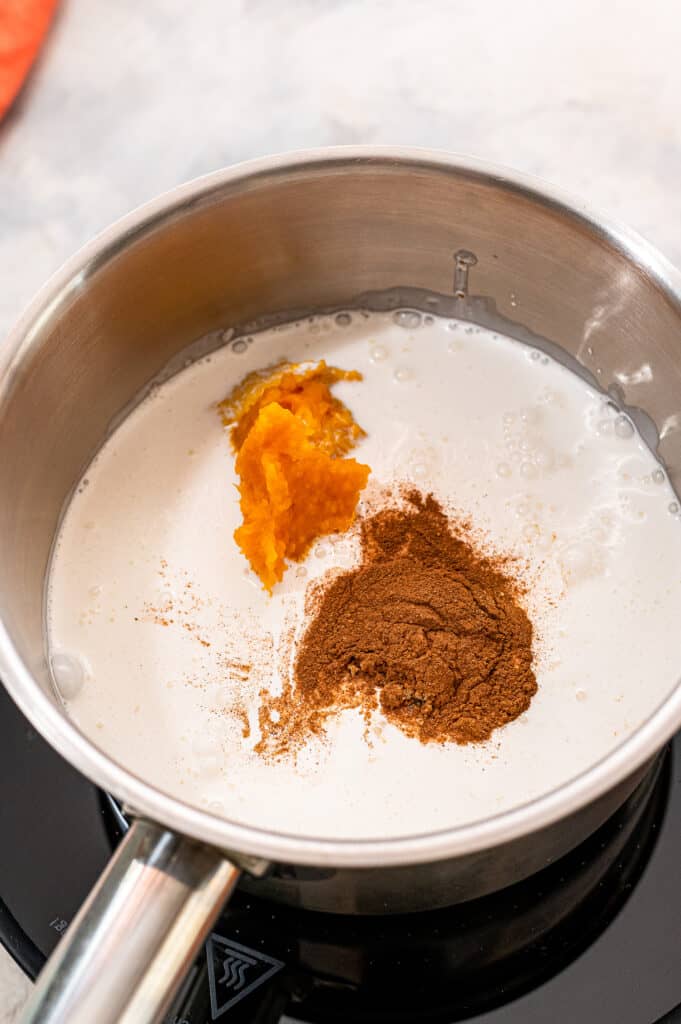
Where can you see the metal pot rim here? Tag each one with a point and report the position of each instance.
(150, 802)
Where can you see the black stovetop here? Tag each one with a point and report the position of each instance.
(594, 938)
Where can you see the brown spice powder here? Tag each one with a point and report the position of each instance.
(426, 628)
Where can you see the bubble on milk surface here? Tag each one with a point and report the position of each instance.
(69, 672)
(581, 560)
(525, 444)
(407, 318)
(624, 428)
(378, 353)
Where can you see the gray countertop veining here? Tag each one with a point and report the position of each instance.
(130, 98)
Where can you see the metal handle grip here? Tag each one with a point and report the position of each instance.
(135, 938)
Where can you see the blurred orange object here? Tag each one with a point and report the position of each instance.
(23, 24)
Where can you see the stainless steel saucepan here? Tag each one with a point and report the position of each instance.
(303, 232)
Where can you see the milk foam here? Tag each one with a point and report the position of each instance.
(154, 617)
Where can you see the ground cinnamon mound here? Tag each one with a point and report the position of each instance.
(290, 433)
(426, 628)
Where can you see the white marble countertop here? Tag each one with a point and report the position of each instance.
(131, 98)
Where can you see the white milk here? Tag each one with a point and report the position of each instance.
(533, 455)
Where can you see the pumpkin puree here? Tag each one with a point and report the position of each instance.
(289, 434)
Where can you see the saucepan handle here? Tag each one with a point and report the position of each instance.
(135, 938)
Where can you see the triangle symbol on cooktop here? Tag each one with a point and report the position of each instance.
(234, 971)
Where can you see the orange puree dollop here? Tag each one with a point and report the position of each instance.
(290, 435)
